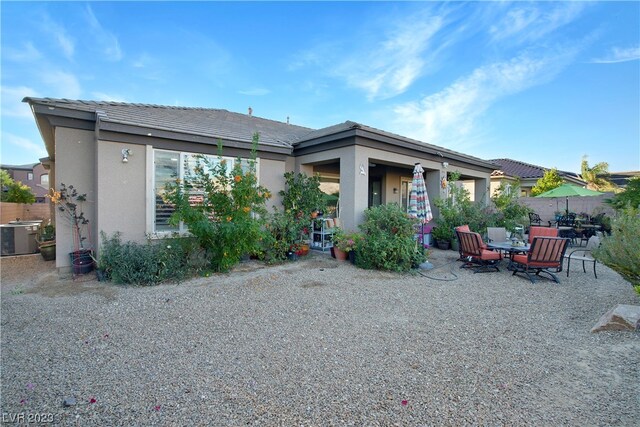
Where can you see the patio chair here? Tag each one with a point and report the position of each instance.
(584, 255)
(475, 256)
(497, 234)
(546, 254)
(466, 229)
(534, 219)
(542, 232)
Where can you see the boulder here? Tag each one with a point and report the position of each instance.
(624, 317)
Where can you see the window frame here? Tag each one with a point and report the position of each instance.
(182, 230)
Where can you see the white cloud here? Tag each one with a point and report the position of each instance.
(107, 40)
(36, 149)
(102, 96)
(529, 22)
(59, 33)
(450, 116)
(391, 65)
(26, 53)
(63, 85)
(618, 54)
(255, 92)
(12, 105)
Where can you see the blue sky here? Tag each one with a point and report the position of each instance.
(544, 83)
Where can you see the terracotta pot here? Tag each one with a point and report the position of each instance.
(340, 255)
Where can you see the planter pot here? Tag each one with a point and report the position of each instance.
(304, 250)
(48, 252)
(340, 254)
(292, 256)
(333, 253)
(455, 245)
(81, 261)
(352, 257)
(444, 244)
(101, 275)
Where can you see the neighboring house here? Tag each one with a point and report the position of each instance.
(621, 178)
(33, 175)
(509, 171)
(87, 141)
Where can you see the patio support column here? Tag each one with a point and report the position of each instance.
(354, 187)
(481, 190)
(432, 182)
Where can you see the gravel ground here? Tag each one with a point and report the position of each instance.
(318, 342)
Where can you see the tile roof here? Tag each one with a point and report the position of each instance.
(208, 122)
(510, 167)
(28, 166)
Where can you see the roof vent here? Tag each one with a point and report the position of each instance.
(250, 112)
(287, 119)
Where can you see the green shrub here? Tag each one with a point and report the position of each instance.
(150, 263)
(621, 250)
(281, 232)
(228, 222)
(388, 241)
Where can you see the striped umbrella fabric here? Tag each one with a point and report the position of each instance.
(419, 206)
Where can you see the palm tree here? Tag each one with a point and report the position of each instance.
(596, 177)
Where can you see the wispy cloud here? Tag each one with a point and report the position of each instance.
(63, 84)
(530, 22)
(102, 96)
(449, 117)
(618, 54)
(12, 105)
(26, 53)
(391, 65)
(36, 149)
(64, 41)
(107, 40)
(258, 91)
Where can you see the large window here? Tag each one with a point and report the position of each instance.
(169, 166)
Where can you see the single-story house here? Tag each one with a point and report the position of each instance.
(509, 171)
(88, 141)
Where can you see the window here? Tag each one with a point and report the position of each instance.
(170, 165)
(44, 180)
(29, 176)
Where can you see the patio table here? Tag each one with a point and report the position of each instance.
(508, 247)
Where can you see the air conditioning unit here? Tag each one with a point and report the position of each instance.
(19, 238)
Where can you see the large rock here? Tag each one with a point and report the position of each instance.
(621, 318)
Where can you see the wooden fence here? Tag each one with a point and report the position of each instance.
(13, 211)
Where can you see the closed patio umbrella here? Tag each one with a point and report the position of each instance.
(568, 190)
(419, 206)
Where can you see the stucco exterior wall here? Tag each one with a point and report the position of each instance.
(121, 190)
(272, 177)
(75, 164)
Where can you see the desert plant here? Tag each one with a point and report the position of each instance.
(150, 263)
(388, 241)
(621, 250)
(70, 203)
(228, 220)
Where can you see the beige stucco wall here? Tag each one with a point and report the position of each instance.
(121, 190)
(75, 161)
(272, 177)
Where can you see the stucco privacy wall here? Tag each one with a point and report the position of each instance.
(75, 161)
(121, 190)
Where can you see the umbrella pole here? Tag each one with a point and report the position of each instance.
(567, 209)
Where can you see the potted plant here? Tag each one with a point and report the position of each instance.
(443, 234)
(46, 239)
(339, 244)
(70, 202)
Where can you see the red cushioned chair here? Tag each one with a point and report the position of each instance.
(542, 232)
(475, 255)
(466, 229)
(546, 254)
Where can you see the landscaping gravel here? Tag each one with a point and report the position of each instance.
(318, 342)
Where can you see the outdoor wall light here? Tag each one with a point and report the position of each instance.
(126, 152)
(445, 164)
(395, 191)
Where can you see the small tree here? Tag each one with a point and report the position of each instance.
(629, 197)
(597, 176)
(550, 180)
(302, 194)
(510, 212)
(227, 220)
(621, 250)
(15, 191)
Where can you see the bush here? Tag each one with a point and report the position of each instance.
(621, 250)
(228, 221)
(281, 232)
(150, 263)
(388, 240)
